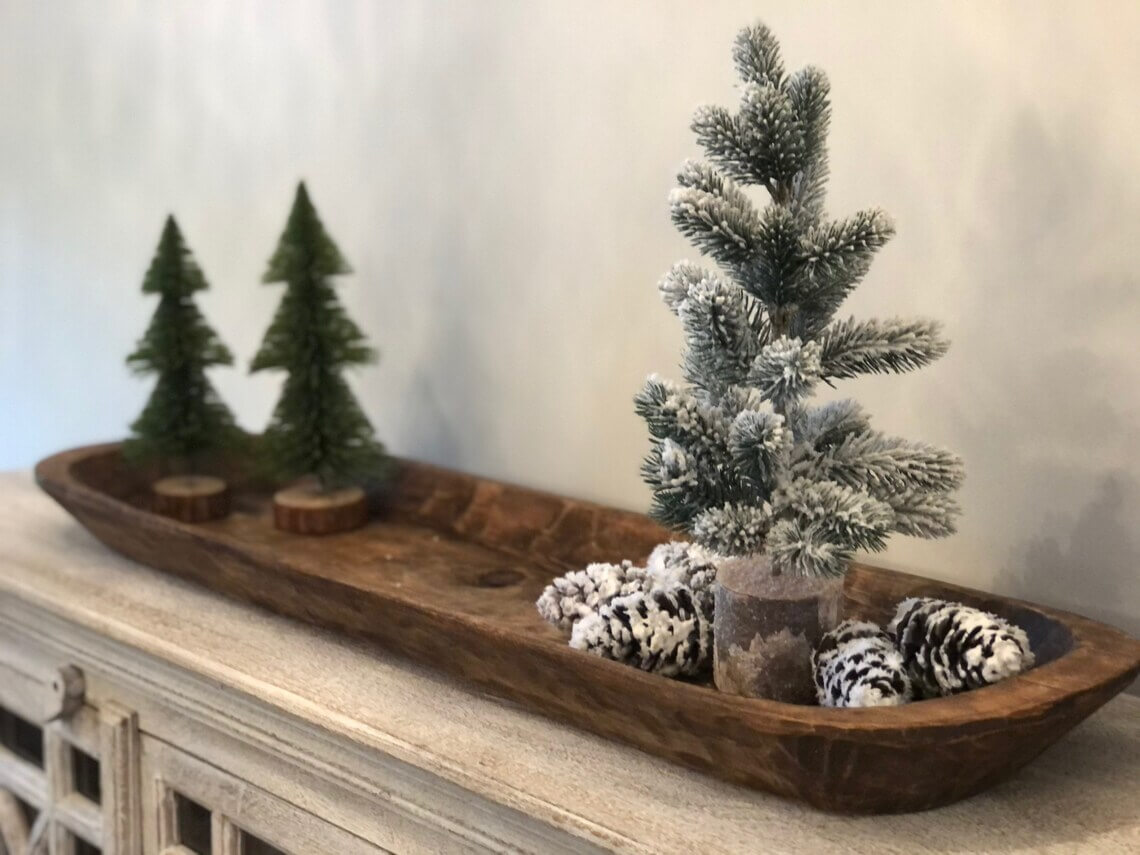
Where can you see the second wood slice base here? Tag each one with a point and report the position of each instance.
(307, 509)
(192, 498)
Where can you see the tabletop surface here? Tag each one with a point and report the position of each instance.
(1082, 795)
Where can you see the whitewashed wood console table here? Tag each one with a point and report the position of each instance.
(140, 714)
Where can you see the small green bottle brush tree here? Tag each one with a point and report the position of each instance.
(741, 460)
(318, 432)
(319, 441)
(184, 421)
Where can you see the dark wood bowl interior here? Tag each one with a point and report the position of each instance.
(624, 535)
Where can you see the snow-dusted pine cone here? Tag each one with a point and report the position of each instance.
(950, 648)
(688, 564)
(858, 665)
(582, 592)
(663, 631)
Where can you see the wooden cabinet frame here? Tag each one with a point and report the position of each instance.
(236, 808)
(288, 754)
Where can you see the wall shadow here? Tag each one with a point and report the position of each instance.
(1044, 414)
(1088, 563)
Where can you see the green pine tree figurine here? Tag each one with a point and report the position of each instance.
(184, 420)
(318, 428)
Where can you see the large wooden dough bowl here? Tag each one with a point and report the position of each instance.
(447, 573)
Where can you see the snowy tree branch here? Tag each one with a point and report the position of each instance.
(849, 516)
(785, 371)
(723, 334)
(853, 347)
(714, 214)
(885, 466)
(756, 54)
(834, 257)
(733, 528)
(821, 427)
(674, 285)
(925, 514)
(725, 142)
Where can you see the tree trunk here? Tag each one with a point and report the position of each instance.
(191, 498)
(766, 628)
(309, 509)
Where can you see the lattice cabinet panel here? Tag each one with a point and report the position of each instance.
(68, 771)
(191, 807)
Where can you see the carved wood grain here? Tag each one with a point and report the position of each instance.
(119, 771)
(447, 573)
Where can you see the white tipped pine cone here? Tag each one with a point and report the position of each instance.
(950, 648)
(858, 665)
(688, 564)
(582, 592)
(663, 631)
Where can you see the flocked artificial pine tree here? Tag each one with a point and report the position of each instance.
(318, 427)
(184, 420)
(740, 458)
(184, 417)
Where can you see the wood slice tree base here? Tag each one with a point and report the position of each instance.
(309, 509)
(192, 498)
(766, 628)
